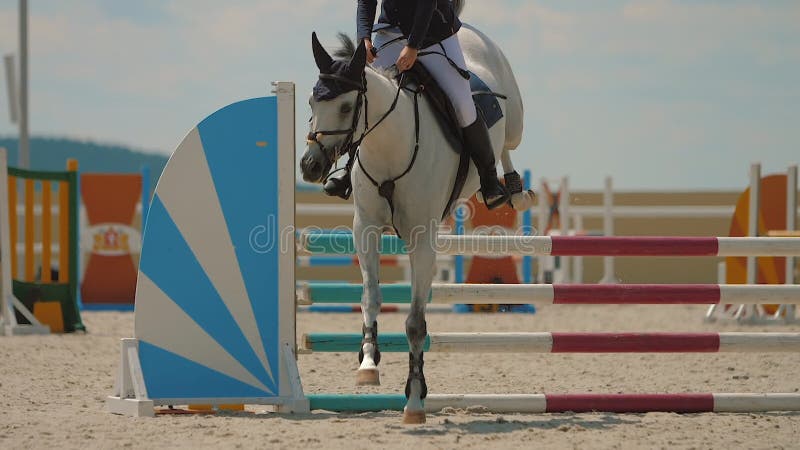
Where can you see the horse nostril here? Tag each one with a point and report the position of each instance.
(311, 166)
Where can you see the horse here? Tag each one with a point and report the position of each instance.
(403, 177)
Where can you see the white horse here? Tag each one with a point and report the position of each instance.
(359, 97)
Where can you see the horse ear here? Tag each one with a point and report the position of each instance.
(358, 61)
(321, 56)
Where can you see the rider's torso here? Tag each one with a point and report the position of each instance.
(443, 24)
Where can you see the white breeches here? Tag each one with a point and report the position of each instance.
(453, 84)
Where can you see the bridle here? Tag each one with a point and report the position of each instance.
(349, 144)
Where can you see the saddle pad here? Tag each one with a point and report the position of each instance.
(484, 100)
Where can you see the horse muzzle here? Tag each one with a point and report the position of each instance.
(314, 164)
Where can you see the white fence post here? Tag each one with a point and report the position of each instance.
(544, 206)
(609, 275)
(577, 262)
(791, 225)
(563, 188)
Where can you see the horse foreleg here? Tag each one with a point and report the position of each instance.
(521, 199)
(423, 262)
(367, 239)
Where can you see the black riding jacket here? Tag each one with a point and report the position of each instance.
(423, 22)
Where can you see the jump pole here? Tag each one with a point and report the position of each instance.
(570, 245)
(545, 342)
(570, 294)
(563, 403)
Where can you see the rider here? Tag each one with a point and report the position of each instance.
(407, 27)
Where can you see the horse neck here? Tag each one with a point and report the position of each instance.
(387, 149)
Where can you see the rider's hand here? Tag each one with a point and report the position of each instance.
(407, 58)
(370, 54)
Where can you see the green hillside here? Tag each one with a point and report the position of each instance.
(52, 154)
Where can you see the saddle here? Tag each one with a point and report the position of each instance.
(418, 78)
(485, 100)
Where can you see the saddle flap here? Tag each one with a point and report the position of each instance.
(418, 77)
(485, 100)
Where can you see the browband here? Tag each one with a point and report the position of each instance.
(341, 79)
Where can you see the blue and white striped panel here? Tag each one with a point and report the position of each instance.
(207, 298)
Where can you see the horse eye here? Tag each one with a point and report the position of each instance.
(346, 108)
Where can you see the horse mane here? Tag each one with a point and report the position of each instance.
(347, 48)
(458, 6)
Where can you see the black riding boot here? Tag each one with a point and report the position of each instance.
(339, 185)
(479, 146)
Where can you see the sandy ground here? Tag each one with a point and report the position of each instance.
(52, 391)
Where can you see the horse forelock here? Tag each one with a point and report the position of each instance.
(328, 89)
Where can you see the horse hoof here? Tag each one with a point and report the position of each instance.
(368, 377)
(413, 417)
(523, 201)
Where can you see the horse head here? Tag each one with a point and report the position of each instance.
(337, 106)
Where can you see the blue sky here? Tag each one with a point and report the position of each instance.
(660, 94)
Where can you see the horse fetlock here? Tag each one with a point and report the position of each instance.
(523, 201)
(369, 344)
(416, 387)
(367, 356)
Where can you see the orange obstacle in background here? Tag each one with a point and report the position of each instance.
(111, 240)
(771, 216)
(488, 269)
